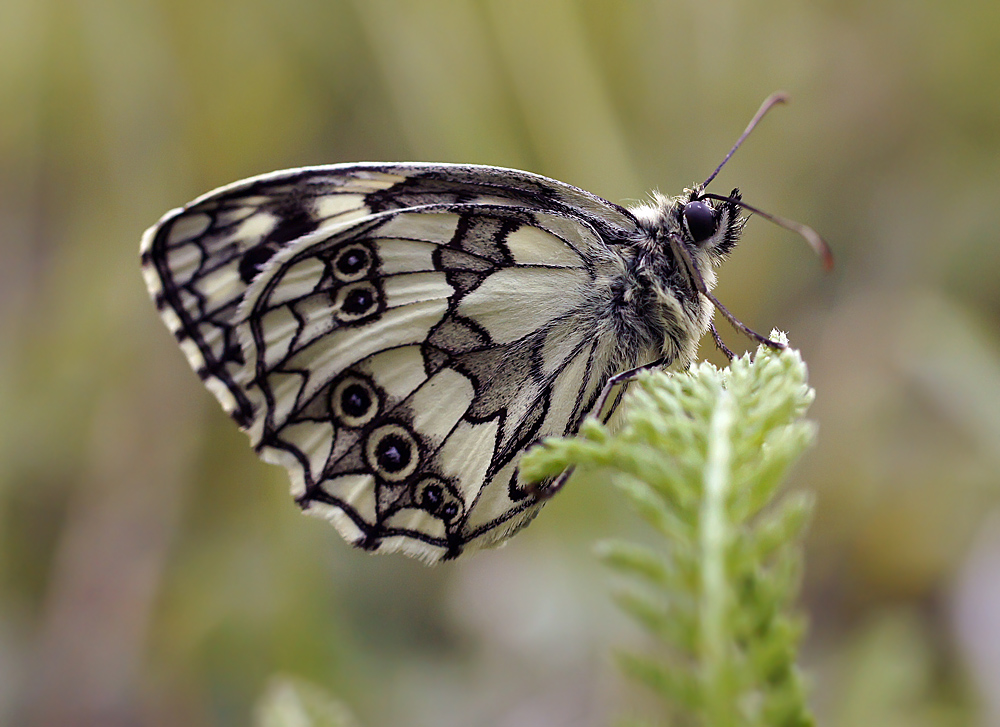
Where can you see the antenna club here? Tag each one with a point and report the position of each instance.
(817, 243)
(776, 98)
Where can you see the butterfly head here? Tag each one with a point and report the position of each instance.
(707, 229)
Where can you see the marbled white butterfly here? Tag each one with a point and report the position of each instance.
(396, 335)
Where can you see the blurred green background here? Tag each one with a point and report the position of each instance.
(154, 572)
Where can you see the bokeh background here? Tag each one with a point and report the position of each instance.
(154, 572)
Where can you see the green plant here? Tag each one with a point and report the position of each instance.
(702, 455)
(291, 702)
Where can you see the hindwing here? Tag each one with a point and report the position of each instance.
(396, 335)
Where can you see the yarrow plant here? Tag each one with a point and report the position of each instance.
(702, 455)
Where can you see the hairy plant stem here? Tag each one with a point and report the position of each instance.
(714, 591)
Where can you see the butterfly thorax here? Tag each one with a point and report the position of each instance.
(671, 306)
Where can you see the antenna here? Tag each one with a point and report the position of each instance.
(810, 235)
(817, 243)
(770, 102)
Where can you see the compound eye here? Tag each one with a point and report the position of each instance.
(701, 220)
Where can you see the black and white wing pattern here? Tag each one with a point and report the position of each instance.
(397, 335)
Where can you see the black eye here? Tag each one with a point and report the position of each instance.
(393, 453)
(355, 400)
(431, 497)
(701, 220)
(358, 301)
(352, 263)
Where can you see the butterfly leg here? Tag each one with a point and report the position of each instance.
(720, 343)
(541, 494)
(699, 284)
(622, 377)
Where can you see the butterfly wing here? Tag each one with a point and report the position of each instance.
(396, 335)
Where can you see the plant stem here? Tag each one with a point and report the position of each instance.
(715, 596)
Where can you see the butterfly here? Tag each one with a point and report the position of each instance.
(396, 335)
